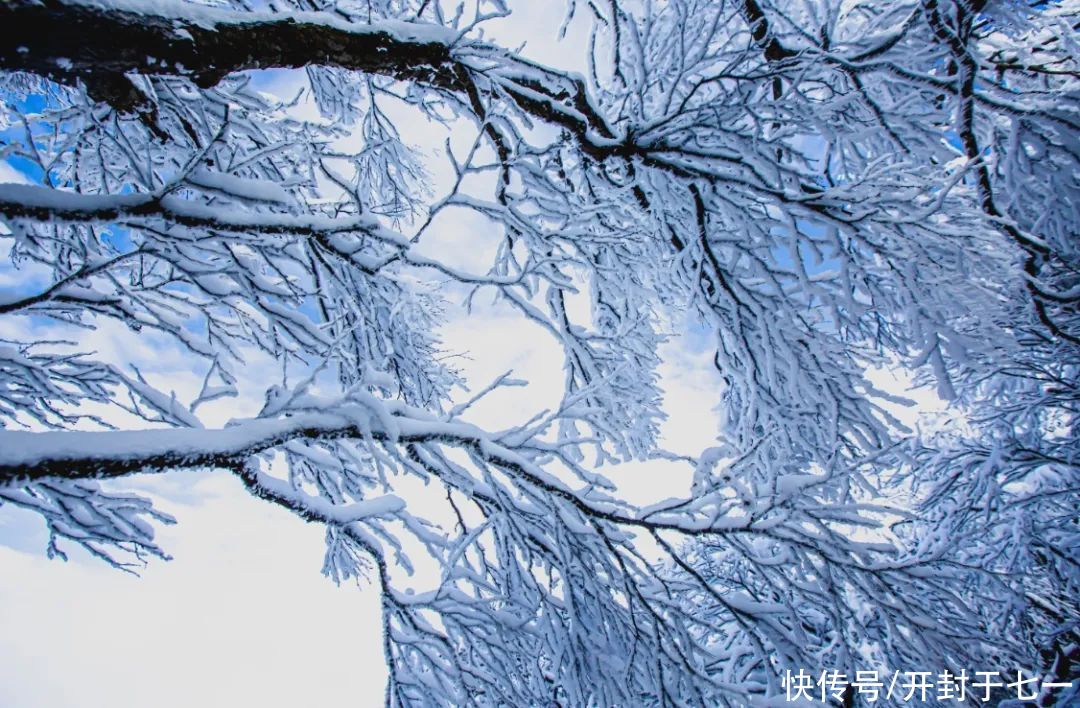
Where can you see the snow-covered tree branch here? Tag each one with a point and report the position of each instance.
(822, 189)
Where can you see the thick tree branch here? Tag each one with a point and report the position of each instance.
(761, 31)
(27, 202)
(30, 456)
(19, 201)
(69, 40)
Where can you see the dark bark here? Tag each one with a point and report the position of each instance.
(69, 42)
(761, 31)
(98, 46)
(191, 448)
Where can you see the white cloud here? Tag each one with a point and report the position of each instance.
(240, 617)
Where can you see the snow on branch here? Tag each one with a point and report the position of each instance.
(806, 197)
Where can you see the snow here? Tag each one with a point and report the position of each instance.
(331, 287)
(207, 16)
(70, 205)
(244, 601)
(789, 484)
(328, 512)
(258, 190)
(24, 449)
(35, 197)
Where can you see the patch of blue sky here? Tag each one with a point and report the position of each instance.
(952, 138)
(118, 238)
(816, 255)
(309, 306)
(283, 83)
(18, 134)
(32, 103)
(698, 335)
(24, 165)
(19, 282)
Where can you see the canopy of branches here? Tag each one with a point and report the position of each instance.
(825, 188)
